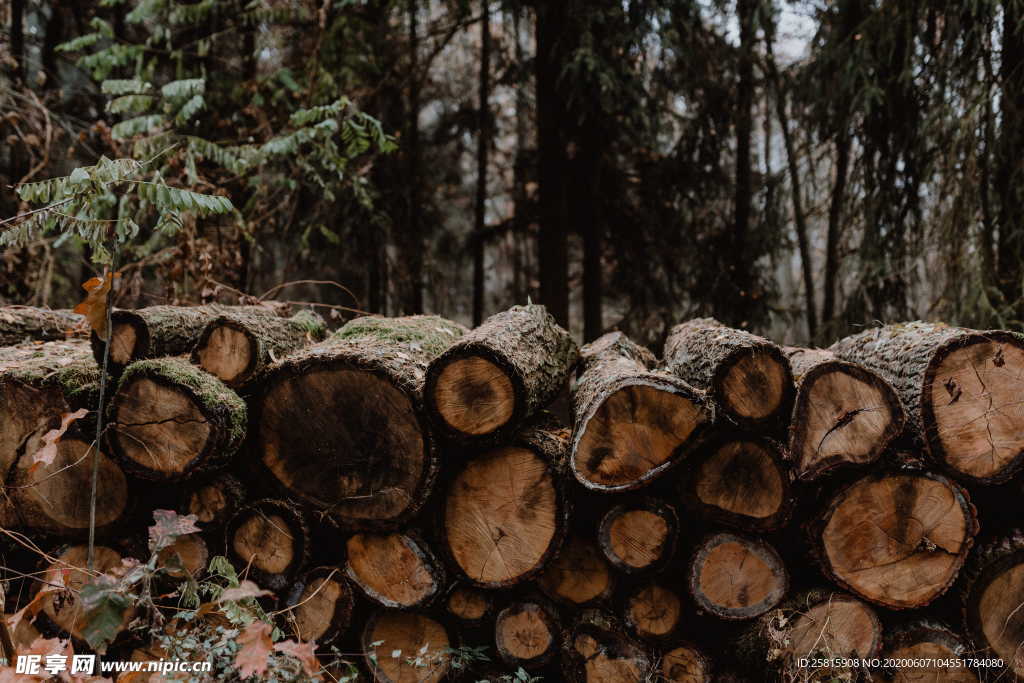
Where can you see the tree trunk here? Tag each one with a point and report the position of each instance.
(1009, 176)
(527, 635)
(640, 536)
(747, 376)
(744, 189)
(833, 235)
(374, 468)
(579, 575)
(619, 402)
(493, 379)
(597, 650)
(844, 414)
(897, 540)
(929, 651)
(653, 611)
(955, 385)
(415, 244)
(736, 577)
(20, 324)
(424, 645)
(269, 538)
(18, 39)
(482, 148)
(321, 603)
(397, 570)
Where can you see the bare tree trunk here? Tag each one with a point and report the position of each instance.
(835, 217)
(744, 127)
(18, 38)
(1008, 173)
(414, 240)
(520, 241)
(483, 144)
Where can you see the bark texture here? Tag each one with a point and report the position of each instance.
(20, 324)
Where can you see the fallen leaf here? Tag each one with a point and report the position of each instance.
(94, 307)
(254, 649)
(48, 452)
(304, 652)
(247, 589)
(169, 526)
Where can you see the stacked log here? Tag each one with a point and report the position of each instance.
(735, 510)
(20, 324)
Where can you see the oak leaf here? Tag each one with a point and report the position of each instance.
(48, 452)
(94, 307)
(304, 652)
(254, 649)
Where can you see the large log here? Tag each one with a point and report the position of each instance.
(405, 647)
(395, 570)
(928, 651)
(844, 414)
(748, 376)
(961, 390)
(339, 424)
(320, 606)
(597, 650)
(992, 596)
(487, 384)
(20, 324)
(270, 540)
(505, 512)
(527, 635)
(170, 420)
(632, 424)
(896, 539)
(639, 536)
(736, 577)
(579, 575)
(240, 343)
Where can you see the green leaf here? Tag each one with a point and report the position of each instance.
(79, 176)
(104, 607)
(124, 86)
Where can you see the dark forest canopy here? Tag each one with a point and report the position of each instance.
(796, 168)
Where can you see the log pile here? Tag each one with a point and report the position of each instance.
(728, 511)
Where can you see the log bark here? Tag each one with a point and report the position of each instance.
(639, 536)
(632, 424)
(170, 420)
(736, 577)
(747, 376)
(653, 611)
(578, 576)
(213, 500)
(493, 379)
(684, 663)
(270, 538)
(844, 414)
(19, 324)
(597, 649)
(897, 540)
(959, 388)
(741, 481)
(321, 603)
(239, 344)
(374, 468)
(992, 594)
(505, 512)
(938, 651)
(396, 570)
(421, 641)
(527, 635)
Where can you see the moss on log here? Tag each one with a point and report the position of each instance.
(19, 324)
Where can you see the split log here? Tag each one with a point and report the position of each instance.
(321, 606)
(844, 414)
(471, 606)
(598, 651)
(632, 424)
(747, 376)
(213, 500)
(402, 647)
(896, 540)
(340, 425)
(684, 663)
(505, 512)
(579, 575)
(527, 635)
(19, 324)
(653, 611)
(188, 555)
(493, 379)
(736, 577)
(960, 389)
(240, 343)
(271, 539)
(639, 536)
(395, 570)
(171, 420)
(992, 596)
(928, 651)
(743, 482)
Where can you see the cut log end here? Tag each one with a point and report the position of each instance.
(322, 606)
(735, 577)
(685, 664)
(271, 538)
(129, 339)
(579, 575)
(474, 396)
(228, 352)
(930, 652)
(214, 501)
(755, 384)
(833, 625)
(394, 570)
(598, 652)
(638, 537)
(421, 643)
(992, 600)
(653, 611)
(187, 556)
(468, 604)
(526, 635)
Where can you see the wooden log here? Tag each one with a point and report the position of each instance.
(736, 577)
(992, 594)
(652, 611)
(213, 500)
(844, 414)
(396, 570)
(896, 539)
(928, 651)
(960, 389)
(578, 576)
(747, 376)
(240, 343)
(684, 663)
(339, 424)
(493, 379)
(639, 536)
(631, 424)
(597, 650)
(527, 635)
(741, 481)
(171, 420)
(469, 605)
(505, 512)
(402, 647)
(20, 324)
(187, 556)
(270, 538)
(320, 605)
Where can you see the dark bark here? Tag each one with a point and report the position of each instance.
(744, 189)
(834, 233)
(269, 538)
(321, 606)
(415, 244)
(1009, 176)
(27, 323)
(736, 577)
(482, 148)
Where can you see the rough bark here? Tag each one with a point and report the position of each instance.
(639, 536)
(844, 414)
(374, 468)
(938, 651)
(632, 424)
(170, 420)
(396, 570)
(20, 324)
(684, 663)
(422, 641)
(269, 538)
(956, 385)
(653, 611)
(241, 343)
(747, 376)
(992, 594)
(579, 575)
(527, 635)
(493, 379)
(321, 603)
(505, 512)
(736, 577)
(597, 649)
(897, 540)
(213, 500)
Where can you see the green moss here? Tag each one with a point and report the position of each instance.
(311, 323)
(429, 333)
